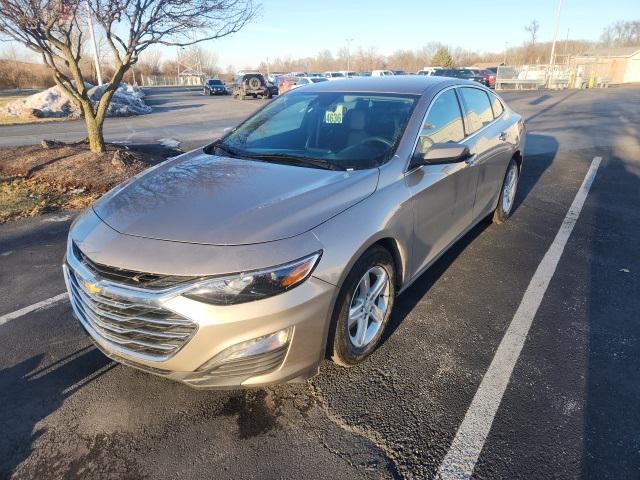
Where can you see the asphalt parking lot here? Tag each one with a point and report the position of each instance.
(569, 410)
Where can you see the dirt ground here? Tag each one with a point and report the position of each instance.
(38, 179)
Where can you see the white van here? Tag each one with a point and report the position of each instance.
(381, 73)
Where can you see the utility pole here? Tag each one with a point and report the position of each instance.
(349, 40)
(504, 62)
(96, 59)
(552, 60)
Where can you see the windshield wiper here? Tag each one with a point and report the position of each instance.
(312, 162)
(232, 152)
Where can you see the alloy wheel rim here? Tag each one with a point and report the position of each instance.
(509, 191)
(368, 307)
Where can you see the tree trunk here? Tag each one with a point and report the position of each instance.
(94, 130)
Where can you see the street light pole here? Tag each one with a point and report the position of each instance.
(552, 59)
(349, 40)
(504, 62)
(94, 46)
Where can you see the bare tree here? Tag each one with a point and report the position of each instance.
(532, 30)
(621, 34)
(55, 29)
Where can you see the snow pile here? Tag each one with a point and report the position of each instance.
(127, 100)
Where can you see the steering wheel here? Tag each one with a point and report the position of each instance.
(382, 140)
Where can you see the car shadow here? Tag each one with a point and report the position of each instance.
(29, 393)
(533, 168)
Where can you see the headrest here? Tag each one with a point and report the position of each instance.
(357, 121)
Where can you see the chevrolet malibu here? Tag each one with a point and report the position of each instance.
(248, 261)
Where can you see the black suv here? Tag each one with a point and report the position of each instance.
(213, 86)
(463, 73)
(252, 85)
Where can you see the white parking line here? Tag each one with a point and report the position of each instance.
(472, 433)
(31, 308)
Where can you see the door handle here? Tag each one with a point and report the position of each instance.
(502, 137)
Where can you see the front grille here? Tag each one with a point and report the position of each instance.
(136, 328)
(151, 281)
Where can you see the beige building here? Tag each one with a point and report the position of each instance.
(611, 65)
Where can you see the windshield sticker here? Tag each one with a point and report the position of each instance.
(333, 116)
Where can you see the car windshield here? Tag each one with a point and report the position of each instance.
(323, 129)
(215, 82)
(318, 79)
(337, 75)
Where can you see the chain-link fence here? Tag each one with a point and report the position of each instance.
(169, 81)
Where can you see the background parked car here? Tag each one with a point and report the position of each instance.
(334, 75)
(428, 71)
(215, 86)
(463, 73)
(400, 72)
(302, 81)
(253, 85)
(488, 76)
(381, 73)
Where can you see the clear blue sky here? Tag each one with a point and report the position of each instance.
(299, 28)
(304, 27)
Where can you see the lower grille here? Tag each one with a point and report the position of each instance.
(239, 369)
(250, 366)
(136, 328)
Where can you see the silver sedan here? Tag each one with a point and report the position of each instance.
(248, 261)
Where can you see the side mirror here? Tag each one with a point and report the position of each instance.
(440, 153)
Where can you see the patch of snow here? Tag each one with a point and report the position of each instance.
(127, 100)
(57, 218)
(169, 142)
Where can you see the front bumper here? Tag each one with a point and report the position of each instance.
(304, 309)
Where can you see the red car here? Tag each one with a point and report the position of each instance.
(488, 76)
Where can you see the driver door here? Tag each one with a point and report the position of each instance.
(442, 194)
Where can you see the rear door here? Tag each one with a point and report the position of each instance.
(487, 142)
(443, 194)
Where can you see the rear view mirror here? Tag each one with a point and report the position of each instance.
(440, 153)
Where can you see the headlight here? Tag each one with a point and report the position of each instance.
(250, 286)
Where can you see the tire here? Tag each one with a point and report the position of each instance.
(253, 83)
(507, 199)
(347, 344)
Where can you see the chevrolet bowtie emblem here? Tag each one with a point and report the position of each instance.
(92, 288)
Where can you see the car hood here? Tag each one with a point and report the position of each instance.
(207, 199)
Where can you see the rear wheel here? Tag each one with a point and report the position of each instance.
(363, 308)
(507, 194)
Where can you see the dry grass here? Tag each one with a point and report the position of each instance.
(35, 180)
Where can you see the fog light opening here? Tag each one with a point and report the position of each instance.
(251, 348)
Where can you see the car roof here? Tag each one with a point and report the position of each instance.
(411, 84)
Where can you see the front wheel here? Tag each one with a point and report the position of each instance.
(363, 308)
(507, 194)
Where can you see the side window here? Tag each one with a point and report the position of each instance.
(496, 104)
(443, 123)
(478, 111)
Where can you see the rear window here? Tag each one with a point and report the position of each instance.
(477, 108)
(497, 106)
